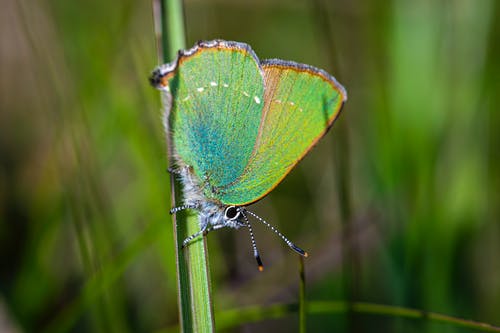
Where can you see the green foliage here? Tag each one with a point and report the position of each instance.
(85, 238)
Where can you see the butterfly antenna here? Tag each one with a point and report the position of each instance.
(254, 245)
(276, 231)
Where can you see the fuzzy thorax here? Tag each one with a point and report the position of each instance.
(212, 214)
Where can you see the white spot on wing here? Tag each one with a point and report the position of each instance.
(256, 99)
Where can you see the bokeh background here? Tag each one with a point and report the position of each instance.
(399, 204)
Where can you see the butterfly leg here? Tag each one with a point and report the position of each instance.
(192, 237)
(215, 227)
(183, 207)
(204, 231)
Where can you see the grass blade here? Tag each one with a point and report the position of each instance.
(193, 278)
(302, 296)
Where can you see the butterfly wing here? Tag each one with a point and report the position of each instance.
(217, 99)
(301, 103)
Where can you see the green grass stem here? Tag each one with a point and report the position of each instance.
(193, 275)
(302, 297)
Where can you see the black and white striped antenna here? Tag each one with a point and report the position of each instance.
(276, 231)
(252, 238)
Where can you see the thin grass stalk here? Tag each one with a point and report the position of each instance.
(236, 317)
(302, 297)
(193, 278)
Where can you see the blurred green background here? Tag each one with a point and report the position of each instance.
(399, 204)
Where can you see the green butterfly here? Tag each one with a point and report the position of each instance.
(239, 125)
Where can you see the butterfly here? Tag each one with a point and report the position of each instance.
(238, 126)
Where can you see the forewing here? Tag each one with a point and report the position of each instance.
(217, 93)
(301, 103)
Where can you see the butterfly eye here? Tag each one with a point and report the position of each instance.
(232, 213)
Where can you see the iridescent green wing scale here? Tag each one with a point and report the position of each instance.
(217, 96)
(301, 103)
